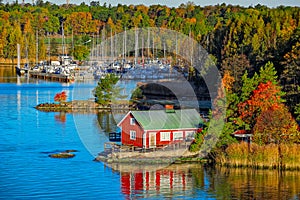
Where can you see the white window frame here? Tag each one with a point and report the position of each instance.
(177, 135)
(132, 121)
(190, 134)
(165, 136)
(132, 135)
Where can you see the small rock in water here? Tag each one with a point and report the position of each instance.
(62, 155)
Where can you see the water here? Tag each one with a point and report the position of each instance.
(28, 136)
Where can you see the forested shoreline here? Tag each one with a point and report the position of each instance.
(256, 49)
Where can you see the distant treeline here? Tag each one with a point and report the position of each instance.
(240, 39)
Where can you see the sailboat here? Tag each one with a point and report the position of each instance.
(20, 71)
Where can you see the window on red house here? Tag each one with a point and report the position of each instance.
(164, 136)
(177, 135)
(132, 135)
(132, 121)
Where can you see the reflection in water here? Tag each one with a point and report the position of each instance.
(254, 184)
(8, 75)
(108, 121)
(153, 181)
(61, 117)
(7, 71)
(196, 181)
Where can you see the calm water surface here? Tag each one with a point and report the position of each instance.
(28, 136)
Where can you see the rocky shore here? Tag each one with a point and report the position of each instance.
(80, 105)
(153, 157)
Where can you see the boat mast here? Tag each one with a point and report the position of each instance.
(148, 44)
(136, 45)
(26, 50)
(123, 48)
(143, 50)
(103, 48)
(72, 44)
(153, 50)
(49, 48)
(164, 52)
(93, 49)
(63, 38)
(125, 41)
(111, 47)
(19, 56)
(176, 50)
(37, 48)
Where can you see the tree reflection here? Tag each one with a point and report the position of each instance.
(237, 183)
(61, 117)
(108, 121)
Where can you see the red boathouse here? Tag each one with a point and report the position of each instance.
(157, 128)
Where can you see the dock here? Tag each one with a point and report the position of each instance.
(51, 77)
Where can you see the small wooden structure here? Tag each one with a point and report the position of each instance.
(51, 77)
(243, 135)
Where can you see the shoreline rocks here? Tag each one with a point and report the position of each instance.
(80, 105)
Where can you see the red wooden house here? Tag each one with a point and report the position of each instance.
(153, 128)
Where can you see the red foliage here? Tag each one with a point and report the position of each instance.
(60, 97)
(275, 125)
(265, 97)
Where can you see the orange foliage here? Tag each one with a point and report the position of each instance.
(275, 125)
(265, 97)
(143, 9)
(227, 80)
(193, 20)
(81, 22)
(219, 103)
(60, 97)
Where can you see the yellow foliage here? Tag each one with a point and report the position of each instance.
(227, 80)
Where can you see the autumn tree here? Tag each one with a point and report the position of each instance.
(290, 76)
(14, 38)
(266, 96)
(60, 97)
(236, 65)
(275, 125)
(263, 111)
(80, 52)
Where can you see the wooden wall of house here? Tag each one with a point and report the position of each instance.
(125, 135)
(163, 143)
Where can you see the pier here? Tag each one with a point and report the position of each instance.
(51, 77)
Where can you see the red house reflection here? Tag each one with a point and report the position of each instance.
(148, 183)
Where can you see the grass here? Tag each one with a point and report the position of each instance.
(260, 157)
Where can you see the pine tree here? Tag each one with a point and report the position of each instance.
(106, 90)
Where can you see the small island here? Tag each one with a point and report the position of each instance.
(104, 101)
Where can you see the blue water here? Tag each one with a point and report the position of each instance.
(28, 136)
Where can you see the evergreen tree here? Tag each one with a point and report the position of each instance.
(106, 90)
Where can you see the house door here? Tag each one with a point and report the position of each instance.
(152, 139)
